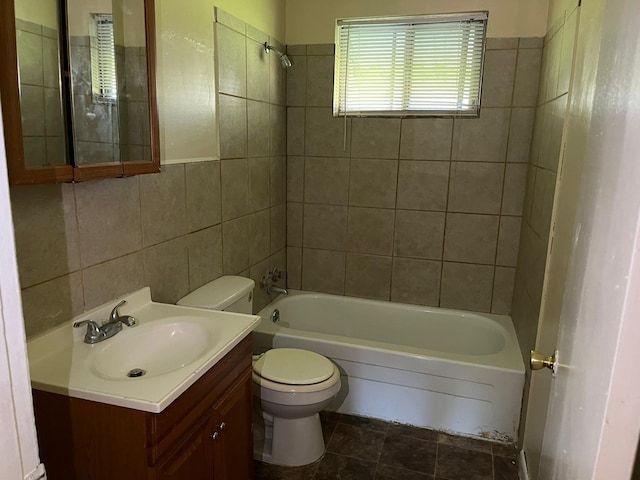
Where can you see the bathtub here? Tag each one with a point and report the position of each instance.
(448, 370)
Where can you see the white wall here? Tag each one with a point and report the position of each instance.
(186, 80)
(265, 15)
(557, 8)
(79, 14)
(42, 12)
(18, 445)
(313, 21)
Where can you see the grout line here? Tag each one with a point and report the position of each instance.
(79, 242)
(446, 211)
(348, 123)
(395, 210)
(435, 466)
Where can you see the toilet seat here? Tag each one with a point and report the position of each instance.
(293, 366)
(298, 390)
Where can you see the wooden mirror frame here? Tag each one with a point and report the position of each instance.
(10, 97)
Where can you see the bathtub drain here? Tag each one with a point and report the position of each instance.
(136, 372)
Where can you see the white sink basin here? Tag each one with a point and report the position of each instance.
(156, 348)
(174, 345)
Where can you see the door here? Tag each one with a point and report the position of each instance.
(234, 442)
(593, 417)
(193, 458)
(18, 443)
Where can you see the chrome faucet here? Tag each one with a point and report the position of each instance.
(276, 290)
(111, 327)
(268, 280)
(115, 316)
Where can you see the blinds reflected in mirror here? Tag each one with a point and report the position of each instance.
(103, 59)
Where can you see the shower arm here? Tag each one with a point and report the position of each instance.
(286, 63)
(268, 48)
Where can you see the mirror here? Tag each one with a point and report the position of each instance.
(39, 66)
(81, 82)
(110, 95)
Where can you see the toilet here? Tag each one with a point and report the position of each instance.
(290, 386)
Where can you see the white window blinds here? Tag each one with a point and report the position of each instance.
(409, 66)
(104, 76)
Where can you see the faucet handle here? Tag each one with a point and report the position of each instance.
(93, 330)
(113, 317)
(92, 327)
(275, 274)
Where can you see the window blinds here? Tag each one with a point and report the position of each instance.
(409, 66)
(107, 83)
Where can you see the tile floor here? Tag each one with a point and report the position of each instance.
(368, 449)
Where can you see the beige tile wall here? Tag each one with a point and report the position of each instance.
(424, 211)
(84, 244)
(542, 170)
(541, 179)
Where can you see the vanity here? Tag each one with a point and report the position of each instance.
(177, 421)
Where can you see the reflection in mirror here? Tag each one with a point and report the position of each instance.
(109, 81)
(38, 41)
(135, 137)
(91, 54)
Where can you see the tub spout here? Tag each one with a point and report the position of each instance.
(275, 290)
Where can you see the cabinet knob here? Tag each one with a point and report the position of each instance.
(222, 426)
(214, 435)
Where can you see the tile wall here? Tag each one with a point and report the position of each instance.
(80, 245)
(542, 172)
(109, 131)
(42, 123)
(133, 107)
(541, 179)
(425, 211)
(96, 121)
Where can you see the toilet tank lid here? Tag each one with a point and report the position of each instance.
(219, 294)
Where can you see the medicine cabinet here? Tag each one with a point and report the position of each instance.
(78, 89)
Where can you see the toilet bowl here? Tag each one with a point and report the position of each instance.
(290, 386)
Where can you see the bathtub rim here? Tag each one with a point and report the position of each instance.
(509, 359)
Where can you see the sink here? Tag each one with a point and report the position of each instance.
(150, 350)
(144, 367)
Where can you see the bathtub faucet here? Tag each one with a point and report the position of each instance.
(276, 290)
(268, 282)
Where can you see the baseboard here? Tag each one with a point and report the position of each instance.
(523, 471)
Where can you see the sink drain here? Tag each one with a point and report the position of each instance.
(136, 372)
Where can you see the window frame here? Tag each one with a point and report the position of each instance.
(341, 78)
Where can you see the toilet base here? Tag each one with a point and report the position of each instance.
(297, 442)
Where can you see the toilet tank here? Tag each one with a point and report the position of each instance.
(229, 293)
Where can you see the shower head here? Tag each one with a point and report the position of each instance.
(286, 63)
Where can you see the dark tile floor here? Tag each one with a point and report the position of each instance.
(361, 448)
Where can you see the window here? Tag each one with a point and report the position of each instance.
(103, 59)
(428, 65)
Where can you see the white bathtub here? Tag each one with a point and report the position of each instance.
(443, 369)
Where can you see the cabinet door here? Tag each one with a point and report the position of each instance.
(193, 458)
(234, 444)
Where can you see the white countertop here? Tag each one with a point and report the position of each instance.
(60, 362)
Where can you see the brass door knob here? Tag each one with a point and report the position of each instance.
(539, 361)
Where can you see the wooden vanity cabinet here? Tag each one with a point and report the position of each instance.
(204, 434)
(193, 459)
(228, 431)
(234, 442)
